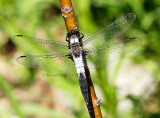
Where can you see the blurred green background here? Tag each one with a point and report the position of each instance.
(129, 88)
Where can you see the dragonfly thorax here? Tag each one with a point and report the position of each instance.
(76, 49)
(76, 52)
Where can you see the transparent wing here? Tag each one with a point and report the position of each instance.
(48, 55)
(107, 54)
(55, 64)
(108, 34)
(40, 46)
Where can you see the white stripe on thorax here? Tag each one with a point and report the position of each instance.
(74, 39)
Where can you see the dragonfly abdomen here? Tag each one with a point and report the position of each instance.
(79, 64)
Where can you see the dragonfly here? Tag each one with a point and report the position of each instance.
(79, 52)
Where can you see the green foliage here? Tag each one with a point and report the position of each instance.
(7, 90)
(43, 18)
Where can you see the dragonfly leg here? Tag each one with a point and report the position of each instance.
(81, 37)
(67, 39)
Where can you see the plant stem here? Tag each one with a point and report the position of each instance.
(71, 24)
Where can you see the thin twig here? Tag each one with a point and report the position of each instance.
(71, 24)
(68, 15)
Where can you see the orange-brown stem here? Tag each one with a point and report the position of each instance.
(96, 107)
(71, 24)
(68, 15)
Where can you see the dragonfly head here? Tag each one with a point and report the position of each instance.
(74, 33)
